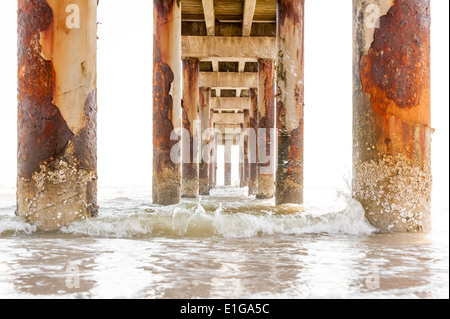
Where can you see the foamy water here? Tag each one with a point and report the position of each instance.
(223, 246)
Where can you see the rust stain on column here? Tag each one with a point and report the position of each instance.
(266, 120)
(241, 158)
(212, 164)
(57, 109)
(246, 151)
(204, 167)
(166, 100)
(392, 119)
(253, 147)
(190, 172)
(290, 101)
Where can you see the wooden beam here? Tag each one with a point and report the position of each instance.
(206, 48)
(249, 12)
(210, 16)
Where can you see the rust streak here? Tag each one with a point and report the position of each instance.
(396, 74)
(42, 131)
(267, 120)
(56, 167)
(190, 115)
(162, 113)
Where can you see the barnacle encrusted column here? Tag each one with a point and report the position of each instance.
(266, 127)
(166, 100)
(205, 166)
(392, 122)
(191, 126)
(57, 110)
(290, 101)
(252, 144)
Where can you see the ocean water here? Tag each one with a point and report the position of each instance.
(223, 246)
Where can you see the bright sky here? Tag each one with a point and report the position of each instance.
(125, 88)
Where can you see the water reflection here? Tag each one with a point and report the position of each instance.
(150, 252)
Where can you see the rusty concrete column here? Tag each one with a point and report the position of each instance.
(241, 158)
(290, 101)
(215, 167)
(392, 122)
(246, 139)
(57, 112)
(205, 166)
(166, 100)
(228, 140)
(266, 126)
(191, 126)
(213, 162)
(252, 144)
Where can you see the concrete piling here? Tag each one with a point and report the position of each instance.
(191, 125)
(204, 167)
(266, 125)
(290, 101)
(57, 112)
(166, 100)
(392, 121)
(253, 145)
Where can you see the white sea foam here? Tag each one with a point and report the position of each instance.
(197, 220)
(15, 226)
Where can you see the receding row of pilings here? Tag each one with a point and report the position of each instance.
(57, 147)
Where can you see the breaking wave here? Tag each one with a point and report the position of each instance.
(224, 217)
(15, 226)
(197, 220)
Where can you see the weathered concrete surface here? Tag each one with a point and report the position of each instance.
(57, 109)
(228, 118)
(249, 12)
(290, 101)
(230, 103)
(266, 120)
(229, 80)
(213, 162)
(230, 130)
(245, 150)
(241, 157)
(253, 148)
(191, 124)
(166, 100)
(227, 160)
(392, 121)
(229, 47)
(210, 16)
(204, 167)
